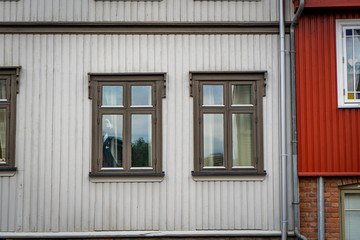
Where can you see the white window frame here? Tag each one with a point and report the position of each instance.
(341, 26)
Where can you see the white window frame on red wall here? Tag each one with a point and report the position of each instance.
(341, 27)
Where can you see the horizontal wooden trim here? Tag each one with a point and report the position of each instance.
(147, 234)
(328, 174)
(228, 173)
(8, 169)
(162, 174)
(140, 28)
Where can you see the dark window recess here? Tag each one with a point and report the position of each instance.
(228, 134)
(9, 80)
(126, 123)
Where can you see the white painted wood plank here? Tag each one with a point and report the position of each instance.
(170, 11)
(4, 203)
(85, 164)
(41, 139)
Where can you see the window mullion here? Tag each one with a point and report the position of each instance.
(228, 129)
(127, 128)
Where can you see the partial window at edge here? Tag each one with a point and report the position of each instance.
(9, 78)
(348, 61)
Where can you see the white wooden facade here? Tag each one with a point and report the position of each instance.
(51, 190)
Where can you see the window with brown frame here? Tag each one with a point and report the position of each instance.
(228, 138)
(9, 79)
(126, 123)
(350, 211)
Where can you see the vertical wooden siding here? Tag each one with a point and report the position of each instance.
(165, 11)
(329, 140)
(51, 190)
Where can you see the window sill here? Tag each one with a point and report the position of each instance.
(228, 176)
(349, 105)
(126, 177)
(8, 172)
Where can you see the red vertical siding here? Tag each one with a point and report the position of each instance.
(328, 137)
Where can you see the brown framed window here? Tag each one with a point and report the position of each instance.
(9, 79)
(228, 136)
(350, 211)
(126, 123)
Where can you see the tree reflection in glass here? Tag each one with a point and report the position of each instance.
(112, 127)
(213, 140)
(141, 140)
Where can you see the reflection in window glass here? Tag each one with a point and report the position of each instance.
(242, 139)
(353, 65)
(112, 95)
(213, 95)
(352, 216)
(141, 140)
(241, 94)
(213, 140)
(2, 135)
(141, 96)
(3, 89)
(112, 135)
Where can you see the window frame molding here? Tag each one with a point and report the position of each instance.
(96, 81)
(351, 188)
(258, 78)
(341, 24)
(11, 74)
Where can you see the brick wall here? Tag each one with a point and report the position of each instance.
(308, 205)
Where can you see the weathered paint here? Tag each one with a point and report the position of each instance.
(141, 11)
(328, 137)
(51, 190)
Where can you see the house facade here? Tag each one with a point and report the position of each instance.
(327, 75)
(141, 118)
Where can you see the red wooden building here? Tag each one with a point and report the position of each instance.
(328, 118)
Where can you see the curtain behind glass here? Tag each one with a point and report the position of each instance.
(2, 135)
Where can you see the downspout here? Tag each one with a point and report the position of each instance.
(283, 151)
(293, 123)
(321, 216)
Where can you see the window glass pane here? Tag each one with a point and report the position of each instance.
(357, 65)
(241, 94)
(352, 220)
(2, 88)
(112, 135)
(352, 201)
(2, 135)
(213, 95)
(357, 32)
(348, 32)
(141, 96)
(141, 140)
(112, 95)
(350, 63)
(242, 139)
(352, 215)
(213, 140)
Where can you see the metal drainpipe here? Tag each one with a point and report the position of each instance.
(321, 220)
(283, 151)
(293, 123)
